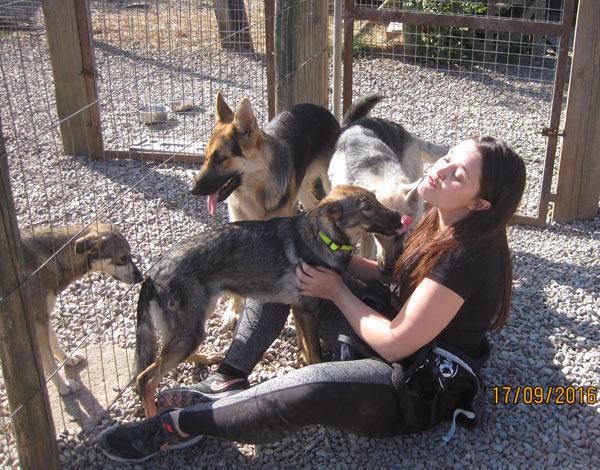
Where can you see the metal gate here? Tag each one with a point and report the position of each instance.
(540, 24)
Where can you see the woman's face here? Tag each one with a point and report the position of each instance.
(452, 185)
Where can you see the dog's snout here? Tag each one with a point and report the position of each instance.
(137, 275)
(194, 191)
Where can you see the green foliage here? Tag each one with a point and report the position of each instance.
(445, 6)
(449, 44)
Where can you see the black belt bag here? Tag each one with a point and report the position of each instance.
(440, 384)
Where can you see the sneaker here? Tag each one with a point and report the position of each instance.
(212, 388)
(138, 441)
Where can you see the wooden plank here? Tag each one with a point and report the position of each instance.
(71, 53)
(313, 55)
(286, 54)
(21, 364)
(457, 21)
(155, 157)
(234, 31)
(270, 45)
(301, 66)
(578, 187)
(348, 54)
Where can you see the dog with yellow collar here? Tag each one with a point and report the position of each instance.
(255, 259)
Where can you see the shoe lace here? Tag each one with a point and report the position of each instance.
(152, 436)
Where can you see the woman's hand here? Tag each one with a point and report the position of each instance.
(319, 282)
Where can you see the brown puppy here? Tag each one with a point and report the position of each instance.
(71, 252)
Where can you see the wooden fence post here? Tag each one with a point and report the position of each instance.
(74, 70)
(578, 187)
(32, 423)
(301, 53)
(234, 30)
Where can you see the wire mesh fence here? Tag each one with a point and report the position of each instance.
(450, 82)
(443, 84)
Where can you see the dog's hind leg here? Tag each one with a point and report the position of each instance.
(233, 311)
(206, 359)
(173, 353)
(315, 184)
(306, 319)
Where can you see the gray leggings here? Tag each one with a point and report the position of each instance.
(260, 325)
(355, 396)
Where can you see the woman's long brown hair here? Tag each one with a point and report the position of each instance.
(502, 184)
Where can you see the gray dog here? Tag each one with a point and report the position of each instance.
(381, 156)
(254, 259)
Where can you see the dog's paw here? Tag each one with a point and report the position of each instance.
(205, 359)
(75, 359)
(68, 386)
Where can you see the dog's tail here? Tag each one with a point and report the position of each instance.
(146, 344)
(361, 108)
(431, 153)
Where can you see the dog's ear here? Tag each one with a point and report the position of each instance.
(332, 210)
(411, 194)
(244, 120)
(224, 113)
(89, 244)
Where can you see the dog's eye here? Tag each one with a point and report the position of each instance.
(368, 211)
(123, 260)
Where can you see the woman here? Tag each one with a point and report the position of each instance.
(418, 366)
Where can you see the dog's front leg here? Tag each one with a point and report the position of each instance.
(64, 385)
(76, 356)
(306, 318)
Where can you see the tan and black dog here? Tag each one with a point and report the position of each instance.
(254, 259)
(263, 173)
(65, 254)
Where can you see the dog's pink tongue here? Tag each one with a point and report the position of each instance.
(406, 223)
(212, 203)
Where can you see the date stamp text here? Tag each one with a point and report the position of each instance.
(549, 394)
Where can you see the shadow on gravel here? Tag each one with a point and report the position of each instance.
(174, 68)
(166, 182)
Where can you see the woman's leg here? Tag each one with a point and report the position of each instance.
(355, 396)
(260, 324)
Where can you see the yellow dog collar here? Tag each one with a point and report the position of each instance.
(333, 245)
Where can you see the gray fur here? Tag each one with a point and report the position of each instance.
(255, 259)
(381, 156)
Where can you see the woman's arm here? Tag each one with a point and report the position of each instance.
(365, 269)
(426, 313)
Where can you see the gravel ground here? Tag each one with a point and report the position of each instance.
(551, 340)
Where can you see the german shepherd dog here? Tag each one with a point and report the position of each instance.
(263, 173)
(249, 258)
(381, 156)
(72, 253)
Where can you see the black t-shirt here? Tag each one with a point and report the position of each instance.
(477, 275)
